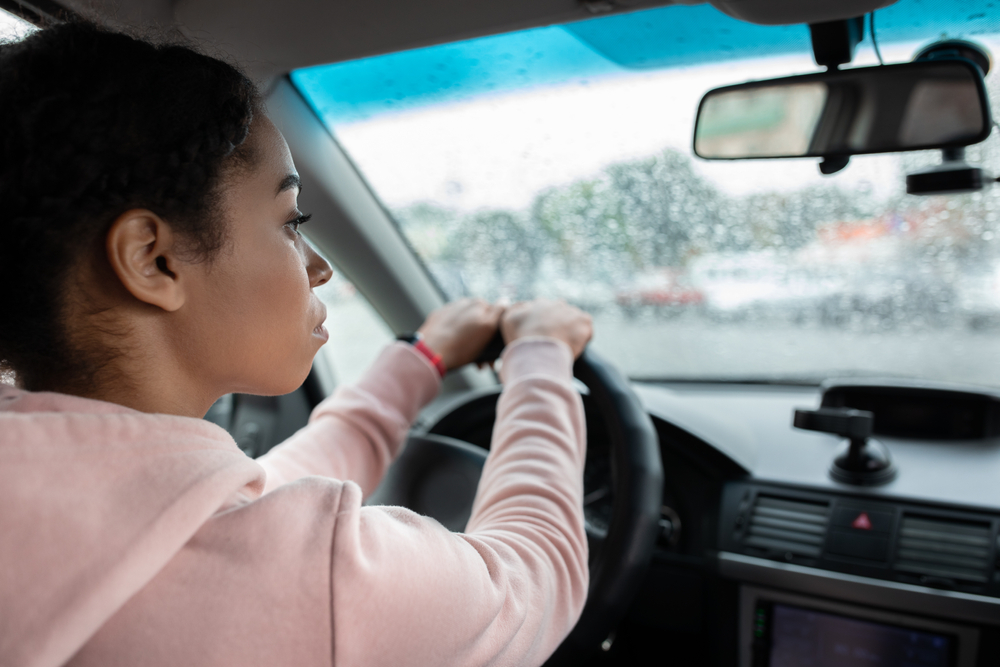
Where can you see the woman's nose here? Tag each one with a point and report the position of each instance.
(319, 269)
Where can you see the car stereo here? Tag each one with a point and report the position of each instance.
(784, 630)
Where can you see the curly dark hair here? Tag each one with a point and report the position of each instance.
(92, 124)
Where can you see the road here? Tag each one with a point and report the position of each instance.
(693, 348)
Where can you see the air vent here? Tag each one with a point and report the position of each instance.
(944, 549)
(788, 526)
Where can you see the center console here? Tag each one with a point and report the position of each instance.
(838, 580)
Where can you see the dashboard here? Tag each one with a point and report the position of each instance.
(839, 572)
(763, 559)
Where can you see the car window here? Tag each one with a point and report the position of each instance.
(557, 162)
(13, 28)
(357, 332)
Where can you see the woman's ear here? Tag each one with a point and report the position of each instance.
(142, 249)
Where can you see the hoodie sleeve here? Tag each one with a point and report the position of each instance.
(358, 431)
(509, 590)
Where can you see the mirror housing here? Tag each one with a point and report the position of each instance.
(927, 104)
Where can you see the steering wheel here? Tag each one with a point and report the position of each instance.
(437, 476)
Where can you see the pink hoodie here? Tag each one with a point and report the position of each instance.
(135, 539)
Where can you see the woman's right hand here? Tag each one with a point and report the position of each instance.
(545, 317)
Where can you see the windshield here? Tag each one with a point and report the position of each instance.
(557, 162)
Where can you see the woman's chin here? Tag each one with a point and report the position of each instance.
(278, 383)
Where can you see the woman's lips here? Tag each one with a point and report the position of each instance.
(320, 331)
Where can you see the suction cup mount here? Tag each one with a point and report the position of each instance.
(957, 48)
(862, 461)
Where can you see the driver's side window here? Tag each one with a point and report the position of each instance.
(357, 332)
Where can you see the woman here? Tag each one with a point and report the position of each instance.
(150, 262)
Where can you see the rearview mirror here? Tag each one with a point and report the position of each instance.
(906, 107)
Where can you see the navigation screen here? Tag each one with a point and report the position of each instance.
(806, 638)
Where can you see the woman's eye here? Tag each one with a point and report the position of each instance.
(301, 220)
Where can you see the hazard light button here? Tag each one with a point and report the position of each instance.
(863, 519)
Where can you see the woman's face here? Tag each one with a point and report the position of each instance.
(253, 316)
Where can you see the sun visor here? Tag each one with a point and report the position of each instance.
(785, 12)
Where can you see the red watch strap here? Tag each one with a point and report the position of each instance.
(432, 356)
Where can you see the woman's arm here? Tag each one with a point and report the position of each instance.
(406, 591)
(357, 432)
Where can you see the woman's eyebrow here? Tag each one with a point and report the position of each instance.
(289, 182)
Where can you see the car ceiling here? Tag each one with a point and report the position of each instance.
(272, 38)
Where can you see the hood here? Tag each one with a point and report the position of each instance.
(95, 499)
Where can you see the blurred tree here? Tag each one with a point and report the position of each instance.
(657, 212)
(499, 251)
(673, 211)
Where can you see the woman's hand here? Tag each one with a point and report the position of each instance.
(460, 330)
(544, 317)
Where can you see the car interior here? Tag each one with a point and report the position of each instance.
(783, 217)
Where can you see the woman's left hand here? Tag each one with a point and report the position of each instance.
(459, 331)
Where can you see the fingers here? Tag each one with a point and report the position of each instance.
(544, 317)
(492, 312)
(458, 331)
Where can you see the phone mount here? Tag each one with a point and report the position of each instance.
(862, 460)
(953, 176)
